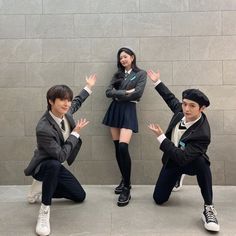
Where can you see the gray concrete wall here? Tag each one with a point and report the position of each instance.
(47, 42)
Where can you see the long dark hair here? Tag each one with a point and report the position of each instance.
(119, 75)
(59, 91)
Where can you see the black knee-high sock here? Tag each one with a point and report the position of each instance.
(125, 163)
(118, 157)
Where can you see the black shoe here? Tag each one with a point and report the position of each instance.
(119, 188)
(124, 197)
(209, 218)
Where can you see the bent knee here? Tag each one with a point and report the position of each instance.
(158, 200)
(123, 148)
(80, 198)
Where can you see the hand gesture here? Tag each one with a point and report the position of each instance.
(80, 125)
(90, 81)
(153, 76)
(156, 129)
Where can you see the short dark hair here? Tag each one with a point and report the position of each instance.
(59, 91)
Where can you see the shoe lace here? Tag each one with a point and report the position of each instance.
(210, 213)
(44, 217)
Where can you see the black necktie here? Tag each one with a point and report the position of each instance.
(126, 75)
(63, 125)
(182, 125)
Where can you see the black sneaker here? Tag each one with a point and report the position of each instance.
(124, 197)
(179, 183)
(209, 218)
(119, 188)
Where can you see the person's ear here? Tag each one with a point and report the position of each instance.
(202, 108)
(50, 102)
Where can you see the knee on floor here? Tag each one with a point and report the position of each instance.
(158, 200)
(80, 198)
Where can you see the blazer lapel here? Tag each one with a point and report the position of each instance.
(54, 125)
(129, 78)
(174, 121)
(191, 129)
(70, 120)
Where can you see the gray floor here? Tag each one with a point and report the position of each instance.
(99, 215)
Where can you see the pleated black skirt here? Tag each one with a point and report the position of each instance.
(122, 115)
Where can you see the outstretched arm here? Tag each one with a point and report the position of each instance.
(79, 99)
(173, 103)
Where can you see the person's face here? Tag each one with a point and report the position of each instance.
(126, 60)
(191, 110)
(60, 107)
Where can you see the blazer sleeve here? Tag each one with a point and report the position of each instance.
(78, 100)
(173, 103)
(193, 149)
(47, 141)
(111, 92)
(139, 88)
(120, 94)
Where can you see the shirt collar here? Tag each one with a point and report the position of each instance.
(57, 119)
(129, 71)
(188, 124)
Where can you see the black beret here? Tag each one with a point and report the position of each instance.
(197, 96)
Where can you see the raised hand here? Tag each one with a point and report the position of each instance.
(80, 125)
(156, 129)
(154, 76)
(91, 80)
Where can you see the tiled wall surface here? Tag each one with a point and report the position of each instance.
(47, 42)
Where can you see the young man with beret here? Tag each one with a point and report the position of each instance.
(184, 147)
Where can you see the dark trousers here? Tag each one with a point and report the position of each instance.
(58, 182)
(168, 177)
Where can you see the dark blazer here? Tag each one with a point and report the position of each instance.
(135, 80)
(50, 141)
(193, 143)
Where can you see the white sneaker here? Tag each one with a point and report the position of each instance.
(209, 218)
(35, 192)
(43, 224)
(179, 184)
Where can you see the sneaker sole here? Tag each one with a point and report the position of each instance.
(120, 204)
(216, 228)
(34, 199)
(176, 189)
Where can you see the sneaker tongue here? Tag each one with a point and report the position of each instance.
(45, 208)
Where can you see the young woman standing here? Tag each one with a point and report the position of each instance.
(125, 89)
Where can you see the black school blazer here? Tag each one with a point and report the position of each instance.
(193, 143)
(136, 80)
(50, 141)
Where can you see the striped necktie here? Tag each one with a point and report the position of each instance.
(63, 125)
